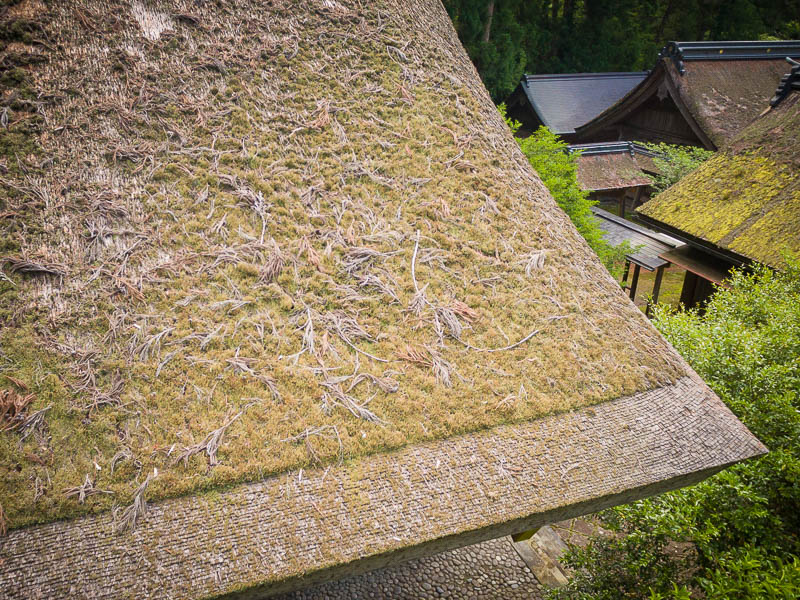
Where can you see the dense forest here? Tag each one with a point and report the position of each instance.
(506, 38)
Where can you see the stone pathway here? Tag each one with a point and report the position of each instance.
(497, 569)
(489, 570)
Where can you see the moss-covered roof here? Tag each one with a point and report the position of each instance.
(746, 198)
(612, 171)
(715, 99)
(243, 241)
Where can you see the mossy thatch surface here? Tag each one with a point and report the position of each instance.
(746, 198)
(724, 96)
(243, 238)
(613, 171)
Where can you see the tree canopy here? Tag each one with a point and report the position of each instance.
(506, 38)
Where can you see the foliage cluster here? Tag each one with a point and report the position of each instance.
(744, 521)
(505, 39)
(558, 170)
(674, 163)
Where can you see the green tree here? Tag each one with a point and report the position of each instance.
(506, 38)
(558, 170)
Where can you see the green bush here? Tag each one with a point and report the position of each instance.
(558, 170)
(744, 521)
(674, 163)
(621, 567)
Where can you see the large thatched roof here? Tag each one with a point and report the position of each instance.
(279, 271)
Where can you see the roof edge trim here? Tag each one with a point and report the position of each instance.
(290, 526)
(789, 82)
(681, 52)
(611, 148)
(604, 75)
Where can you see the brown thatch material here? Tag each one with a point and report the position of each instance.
(286, 532)
(725, 96)
(619, 170)
(295, 244)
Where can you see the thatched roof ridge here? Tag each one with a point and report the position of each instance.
(218, 270)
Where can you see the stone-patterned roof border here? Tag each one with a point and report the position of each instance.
(259, 539)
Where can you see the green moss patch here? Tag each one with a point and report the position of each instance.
(746, 198)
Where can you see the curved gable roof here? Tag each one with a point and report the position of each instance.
(563, 102)
(718, 87)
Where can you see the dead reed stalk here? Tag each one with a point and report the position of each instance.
(126, 518)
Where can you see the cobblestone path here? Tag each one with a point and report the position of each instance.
(489, 570)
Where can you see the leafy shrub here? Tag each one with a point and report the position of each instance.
(674, 163)
(619, 567)
(558, 170)
(745, 520)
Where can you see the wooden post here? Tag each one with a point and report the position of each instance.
(688, 291)
(622, 204)
(656, 289)
(638, 197)
(625, 274)
(635, 281)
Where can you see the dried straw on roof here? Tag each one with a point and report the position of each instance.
(725, 96)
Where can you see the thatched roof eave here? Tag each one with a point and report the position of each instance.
(310, 526)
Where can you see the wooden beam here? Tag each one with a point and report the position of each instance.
(656, 289)
(635, 281)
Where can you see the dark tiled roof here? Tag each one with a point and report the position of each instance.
(611, 148)
(720, 87)
(566, 101)
(645, 243)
